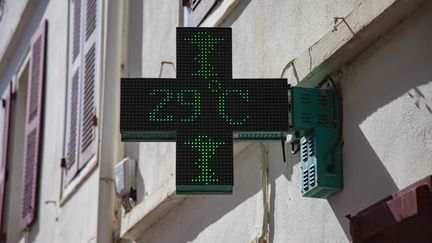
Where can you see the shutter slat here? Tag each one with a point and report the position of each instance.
(195, 3)
(35, 75)
(76, 29)
(88, 95)
(73, 91)
(72, 140)
(4, 159)
(90, 18)
(33, 127)
(88, 107)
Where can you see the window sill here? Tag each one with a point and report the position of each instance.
(75, 184)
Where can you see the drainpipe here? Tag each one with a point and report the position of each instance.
(110, 122)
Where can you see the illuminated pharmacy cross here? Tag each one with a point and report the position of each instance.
(203, 110)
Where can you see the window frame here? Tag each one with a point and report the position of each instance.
(15, 148)
(198, 10)
(70, 184)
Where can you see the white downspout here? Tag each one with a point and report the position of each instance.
(110, 117)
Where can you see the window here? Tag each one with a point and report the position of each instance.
(82, 91)
(22, 116)
(15, 146)
(198, 10)
(5, 123)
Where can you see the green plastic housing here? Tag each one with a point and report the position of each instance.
(316, 115)
(171, 136)
(321, 163)
(312, 108)
(204, 189)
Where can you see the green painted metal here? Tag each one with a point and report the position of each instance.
(204, 190)
(316, 115)
(321, 163)
(171, 136)
(312, 108)
(148, 136)
(252, 136)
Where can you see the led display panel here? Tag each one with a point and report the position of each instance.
(201, 109)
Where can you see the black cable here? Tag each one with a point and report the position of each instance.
(283, 149)
(338, 142)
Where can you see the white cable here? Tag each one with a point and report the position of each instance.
(264, 238)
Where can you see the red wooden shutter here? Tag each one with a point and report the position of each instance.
(74, 85)
(33, 126)
(200, 9)
(3, 163)
(89, 87)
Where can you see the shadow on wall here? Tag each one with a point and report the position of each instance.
(196, 213)
(388, 70)
(381, 75)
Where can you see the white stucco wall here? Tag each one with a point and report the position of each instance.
(388, 118)
(12, 11)
(75, 220)
(387, 126)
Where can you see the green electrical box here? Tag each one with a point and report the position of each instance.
(312, 108)
(321, 163)
(316, 115)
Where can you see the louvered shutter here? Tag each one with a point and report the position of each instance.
(74, 85)
(6, 109)
(88, 97)
(33, 126)
(199, 10)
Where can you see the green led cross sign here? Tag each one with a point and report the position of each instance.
(204, 109)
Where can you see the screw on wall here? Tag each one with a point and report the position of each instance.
(55, 205)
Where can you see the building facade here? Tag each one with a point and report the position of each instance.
(60, 69)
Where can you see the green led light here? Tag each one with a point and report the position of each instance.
(195, 103)
(207, 148)
(206, 44)
(214, 85)
(167, 98)
(201, 109)
(222, 112)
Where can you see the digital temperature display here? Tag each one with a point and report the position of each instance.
(202, 108)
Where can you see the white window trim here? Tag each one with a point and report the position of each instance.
(19, 72)
(73, 186)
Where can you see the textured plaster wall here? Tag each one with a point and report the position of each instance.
(12, 11)
(388, 116)
(76, 219)
(266, 35)
(155, 174)
(387, 126)
(158, 45)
